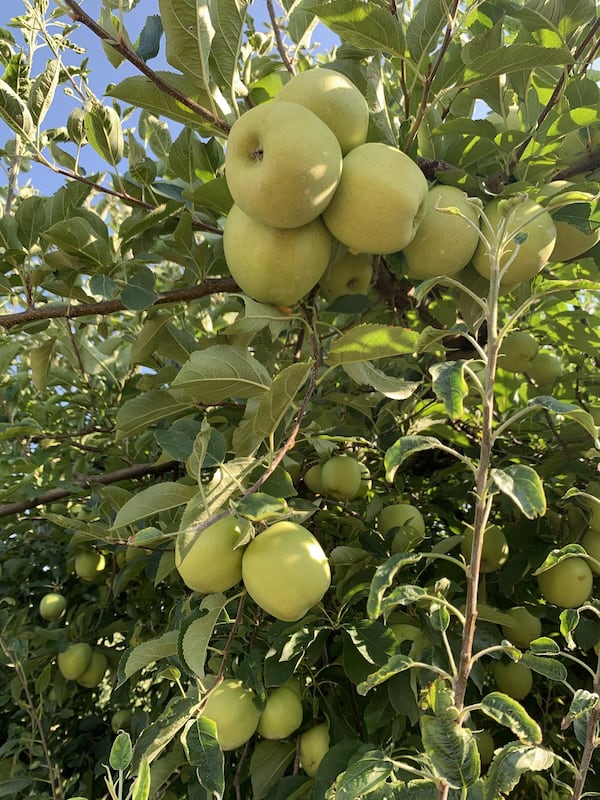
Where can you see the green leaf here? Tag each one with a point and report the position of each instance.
(550, 668)
(268, 763)
(482, 62)
(141, 412)
(163, 730)
(510, 763)
(139, 293)
(365, 374)
(452, 750)
(367, 26)
(450, 386)
(147, 653)
(509, 712)
(524, 486)
(261, 507)
(570, 410)
(397, 663)
(15, 112)
(424, 27)
(43, 90)
(104, 133)
(40, 363)
(407, 446)
(148, 44)
(189, 33)
(228, 18)
(582, 703)
(557, 555)
(368, 342)
(79, 238)
(204, 753)
(196, 634)
(384, 577)
(120, 752)
(364, 775)
(160, 497)
(221, 372)
(141, 785)
(178, 440)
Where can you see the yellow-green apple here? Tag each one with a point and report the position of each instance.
(445, 241)
(341, 477)
(282, 715)
(593, 488)
(52, 606)
(282, 164)
(510, 218)
(350, 274)
(525, 629)
(312, 479)
(570, 241)
(517, 351)
(89, 565)
(408, 519)
(379, 202)
(486, 746)
(95, 671)
(213, 563)
(285, 570)
(513, 678)
(275, 265)
(545, 368)
(495, 550)
(120, 720)
(334, 99)
(231, 707)
(313, 745)
(567, 584)
(74, 661)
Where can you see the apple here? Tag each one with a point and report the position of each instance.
(567, 584)
(275, 265)
(591, 543)
(282, 164)
(231, 707)
(282, 714)
(74, 661)
(313, 745)
(334, 99)
(120, 720)
(285, 570)
(570, 241)
(52, 606)
(410, 521)
(517, 351)
(521, 216)
(213, 563)
(379, 202)
(486, 746)
(95, 671)
(526, 628)
(312, 479)
(495, 548)
(513, 678)
(341, 477)
(593, 488)
(89, 565)
(444, 242)
(350, 274)
(545, 368)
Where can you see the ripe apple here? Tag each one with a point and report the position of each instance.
(495, 548)
(74, 661)
(89, 565)
(95, 672)
(526, 627)
(350, 274)
(313, 745)
(545, 368)
(341, 477)
(486, 746)
(334, 99)
(444, 243)
(52, 606)
(522, 216)
(285, 570)
(213, 563)
(282, 164)
(410, 521)
(379, 202)
(275, 265)
(120, 720)
(591, 543)
(282, 714)
(231, 707)
(312, 479)
(568, 584)
(513, 678)
(570, 241)
(517, 351)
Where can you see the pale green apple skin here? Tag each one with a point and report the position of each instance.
(379, 202)
(398, 515)
(545, 368)
(282, 714)
(568, 584)
(352, 273)
(526, 627)
(444, 243)
(313, 745)
(95, 672)
(341, 477)
(231, 707)
(75, 660)
(335, 100)
(517, 351)
(213, 563)
(278, 266)
(570, 241)
(534, 253)
(282, 164)
(514, 679)
(52, 606)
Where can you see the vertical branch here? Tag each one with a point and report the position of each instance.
(591, 741)
(279, 39)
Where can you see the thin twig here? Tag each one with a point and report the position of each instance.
(279, 40)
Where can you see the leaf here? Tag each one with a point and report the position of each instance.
(204, 753)
(147, 653)
(268, 764)
(368, 342)
(397, 663)
(148, 44)
(40, 363)
(452, 750)
(120, 752)
(369, 772)
(160, 497)
(384, 577)
(261, 507)
(163, 730)
(221, 372)
(582, 703)
(15, 112)
(574, 412)
(450, 386)
(524, 486)
(178, 439)
(481, 61)
(195, 635)
(510, 763)
(407, 446)
(189, 33)
(366, 26)
(139, 293)
(550, 668)
(104, 133)
(424, 27)
(43, 89)
(228, 17)
(509, 712)
(365, 374)
(141, 412)
(557, 555)
(141, 785)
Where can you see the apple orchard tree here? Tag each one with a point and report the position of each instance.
(299, 401)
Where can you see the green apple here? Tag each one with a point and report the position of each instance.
(593, 488)
(89, 565)
(312, 479)
(517, 351)
(545, 368)
(379, 202)
(74, 661)
(285, 570)
(486, 746)
(350, 274)
(120, 720)
(52, 606)
(444, 242)
(313, 745)
(495, 548)
(282, 164)
(410, 521)
(282, 715)
(334, 99)
(591, 543)
(568, 584)
(95, 671)
(570, 241)
(525, 629)
(341, 477)
(231, 707)
(275, 265)
(519, 216)
(213, 563)
(513, 678)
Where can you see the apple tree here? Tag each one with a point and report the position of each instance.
(300, 400)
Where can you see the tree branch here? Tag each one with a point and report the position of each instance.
(105, 307)
(279, 41)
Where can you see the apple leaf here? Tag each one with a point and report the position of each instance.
(510, 713)
(557, 555)
(160, 497)
(368, 342)
(120, 752)
(407, 446)
(449, 386)
(452, 750)
(370, 771)
(268, 764)
(367, 26)
(582, 703)
(524, 486)
(196, 631)
(189, 33)
(550, 668)
(365, 374)
(510, 763)
(397, 663)
(163, 730)
(203, 752)
(141, 412)
(137, 658)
